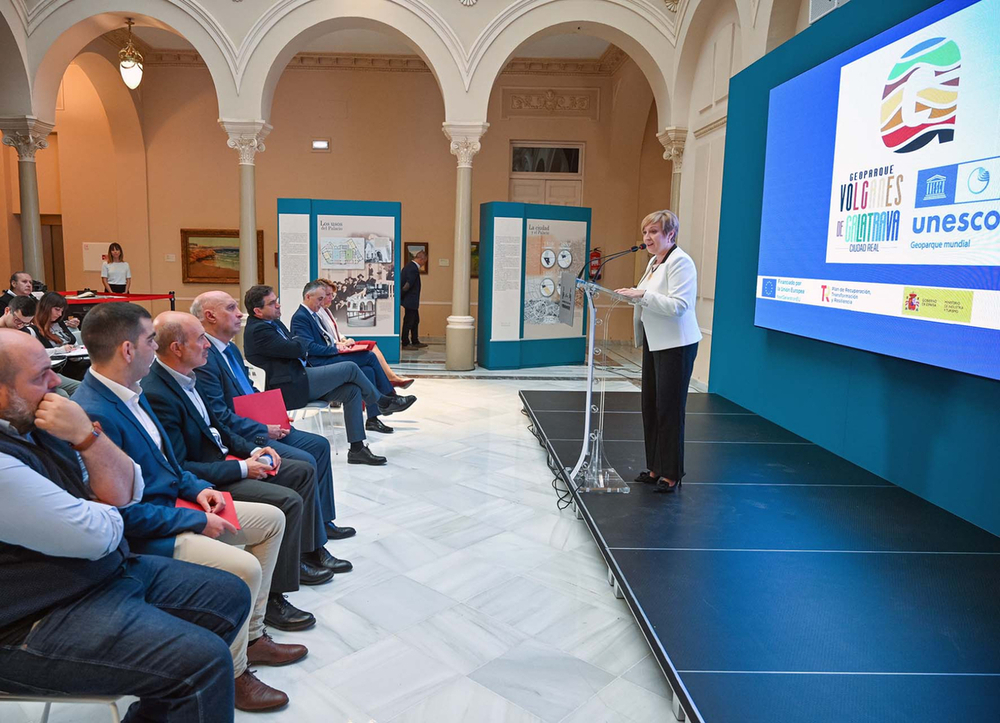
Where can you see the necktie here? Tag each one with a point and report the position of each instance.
(241, 377)
(281, 331)
(326, 337)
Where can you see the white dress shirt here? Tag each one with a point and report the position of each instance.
(326, 322)
(131, 399)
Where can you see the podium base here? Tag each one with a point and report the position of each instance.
(597, 475)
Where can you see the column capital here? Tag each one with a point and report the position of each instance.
(465, 139)
(247, 137)
(25, 134)
(673, 138)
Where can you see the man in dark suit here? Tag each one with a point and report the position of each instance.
(224, 376)
(272, 347)
(20, 285)
(323, 350)
(409, 299)
(203, 443)
(121, 342)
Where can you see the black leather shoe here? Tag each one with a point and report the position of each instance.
(321, 556)
(282, 615)
(312, 574)
(396, 404)
(339, 533)
(418, 345)
(376, 425)
(364, 456)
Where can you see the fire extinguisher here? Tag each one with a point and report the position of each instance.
(595, 263)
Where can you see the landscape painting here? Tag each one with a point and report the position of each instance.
(212, 256)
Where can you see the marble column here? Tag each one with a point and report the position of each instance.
(673, 139)
(460, 334)
(26, 135)
(247, 137)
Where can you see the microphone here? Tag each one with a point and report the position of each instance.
(612, 257)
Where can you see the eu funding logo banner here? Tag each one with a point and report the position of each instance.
(916, 170)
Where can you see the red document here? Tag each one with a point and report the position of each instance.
(264, 407)
(360, 346)
(228, 512)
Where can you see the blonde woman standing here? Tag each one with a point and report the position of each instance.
(665, 326)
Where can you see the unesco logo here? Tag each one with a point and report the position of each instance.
(979, 180)
(920, 97)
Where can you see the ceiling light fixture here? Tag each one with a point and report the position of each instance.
(130, 61)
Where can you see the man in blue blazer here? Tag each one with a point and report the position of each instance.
(120, 340)
(224, 376)
(203, 444)
(282, 356)
(324, 351)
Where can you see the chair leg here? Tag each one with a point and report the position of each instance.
(45, 713)
(115, 716)
(322, 427)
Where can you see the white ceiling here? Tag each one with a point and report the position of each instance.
(371, 41)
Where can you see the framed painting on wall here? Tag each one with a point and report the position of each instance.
(411, 249)
(212, 256)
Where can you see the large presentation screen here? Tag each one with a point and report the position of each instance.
(880, 225)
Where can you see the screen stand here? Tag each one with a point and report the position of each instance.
(592, 473)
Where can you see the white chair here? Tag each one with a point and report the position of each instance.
(110, 702)
(320, 409)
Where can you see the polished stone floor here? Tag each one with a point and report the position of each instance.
(473, 598)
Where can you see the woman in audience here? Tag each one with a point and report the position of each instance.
(55, 331)
(329, 324)
(115, 273)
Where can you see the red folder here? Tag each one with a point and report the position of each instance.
(360, 346)
(228, 512)
(264, 407)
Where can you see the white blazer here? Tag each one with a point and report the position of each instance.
(665, 314)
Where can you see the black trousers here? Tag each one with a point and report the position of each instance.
(293, 491)
(411, 320)
(666, 375)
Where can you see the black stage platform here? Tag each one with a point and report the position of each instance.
(783, 583)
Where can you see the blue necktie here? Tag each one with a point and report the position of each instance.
(241, 377)
(281, 331)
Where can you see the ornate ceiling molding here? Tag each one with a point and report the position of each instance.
(551, 102)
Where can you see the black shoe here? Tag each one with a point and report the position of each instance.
(391, 405)
(376, 425)
(418, 345)
(364, 456)
(312, 574)
(404, 344)
(339, 533)
(320, 556)
(282, 615)
(663, 487)
(646, 478)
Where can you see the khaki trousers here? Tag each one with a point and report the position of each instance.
(261, 530)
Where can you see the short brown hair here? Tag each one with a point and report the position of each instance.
(667, 219)
(108, 326)
(254, 298)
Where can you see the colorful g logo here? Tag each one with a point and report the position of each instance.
(920, 98)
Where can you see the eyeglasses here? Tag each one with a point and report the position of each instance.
(20, 322)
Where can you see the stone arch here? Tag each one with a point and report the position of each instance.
(633, 28)
(15, 88)
(782, 22)
(68, 28)
(693, 35)
(282, 37)
(100, 67)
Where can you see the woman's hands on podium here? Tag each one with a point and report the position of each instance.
(631, 293)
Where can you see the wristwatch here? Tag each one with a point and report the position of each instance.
(91, 438)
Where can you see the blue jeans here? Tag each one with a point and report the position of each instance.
(160, 630)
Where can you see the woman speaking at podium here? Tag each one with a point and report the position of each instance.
(664, 322)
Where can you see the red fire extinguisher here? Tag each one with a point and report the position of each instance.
(595, 263)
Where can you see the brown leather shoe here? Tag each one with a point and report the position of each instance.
(254, 696)
(264, 651)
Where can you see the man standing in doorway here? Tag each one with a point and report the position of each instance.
(409, 299)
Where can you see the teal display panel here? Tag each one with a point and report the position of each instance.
(522, 251)
(929, 430)
(349, 242)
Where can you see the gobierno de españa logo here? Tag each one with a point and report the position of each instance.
(920, 98)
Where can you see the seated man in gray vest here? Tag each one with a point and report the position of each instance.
(80, 615)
